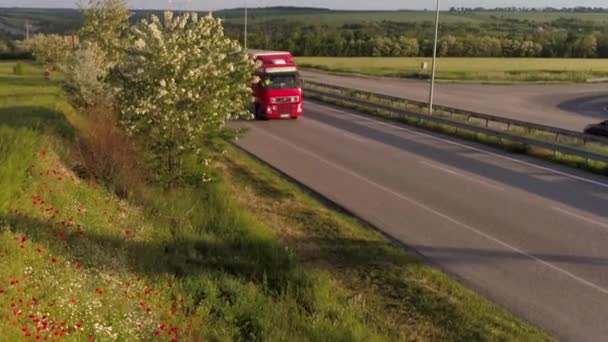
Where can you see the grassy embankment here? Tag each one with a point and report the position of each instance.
(250, 257)
(468, 69)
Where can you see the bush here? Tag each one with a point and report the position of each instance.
(18, 69)
(109, 155)
(85, 75)
(179, 83)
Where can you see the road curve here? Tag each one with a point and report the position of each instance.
(568, 106)
(529, 235)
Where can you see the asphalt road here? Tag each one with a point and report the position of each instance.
(568, 106)
(531, 236)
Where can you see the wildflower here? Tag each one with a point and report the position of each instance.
(78, 265)
(43, 154)
(54, 260)
(99, 291)
(2, 292)
(39, 250)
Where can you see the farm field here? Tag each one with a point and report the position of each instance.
(467, 69)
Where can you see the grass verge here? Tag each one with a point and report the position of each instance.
(249, 257)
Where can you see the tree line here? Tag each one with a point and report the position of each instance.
(498, 37)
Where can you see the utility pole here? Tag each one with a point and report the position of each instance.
(432, 92)
(246, 18)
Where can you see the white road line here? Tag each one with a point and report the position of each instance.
(437, 213)
(582, 179)
(456, 173)
(582, 218)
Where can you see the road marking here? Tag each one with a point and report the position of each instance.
(456, 173)
(437, 213)
(579, 178)
(582, 218)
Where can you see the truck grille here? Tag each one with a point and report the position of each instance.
(287, 108)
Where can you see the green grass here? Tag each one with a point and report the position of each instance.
(468, 69)
(249, 257)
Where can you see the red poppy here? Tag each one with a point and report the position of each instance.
(78, 265)
(2, 292)
(24, 239)
(54, 260)
(99, 291)
(157, 333)
(43, 154)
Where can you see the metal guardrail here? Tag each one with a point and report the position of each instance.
(556, 132)
(569, 150)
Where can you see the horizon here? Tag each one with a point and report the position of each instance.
(320, 8)
(336, 5)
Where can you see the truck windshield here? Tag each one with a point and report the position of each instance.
(281, 81)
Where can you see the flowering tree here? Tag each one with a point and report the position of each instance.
(179, 83)
(106, 23)
(51, 50)
(85, 74)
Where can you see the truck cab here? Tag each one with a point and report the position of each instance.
(278, 90)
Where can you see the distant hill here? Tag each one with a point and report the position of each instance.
(13, 20)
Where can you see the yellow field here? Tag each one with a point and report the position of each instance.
(469, 69)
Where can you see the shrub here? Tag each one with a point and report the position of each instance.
(179, 83)
(18, 69)
(85, 75)
(108, 154)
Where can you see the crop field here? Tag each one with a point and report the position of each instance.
(468, 69)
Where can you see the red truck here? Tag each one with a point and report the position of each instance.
(278, 93)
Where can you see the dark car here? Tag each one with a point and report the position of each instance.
(598, 129)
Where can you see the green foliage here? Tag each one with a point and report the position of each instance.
(106, 23)
(176, 100)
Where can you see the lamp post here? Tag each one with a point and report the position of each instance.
(432, 92)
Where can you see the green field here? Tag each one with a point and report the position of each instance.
(468, 69)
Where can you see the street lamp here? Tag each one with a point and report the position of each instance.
(432, 92)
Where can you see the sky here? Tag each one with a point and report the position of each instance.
(335, 4)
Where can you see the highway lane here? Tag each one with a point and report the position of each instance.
(529, 235)
(568, 106)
